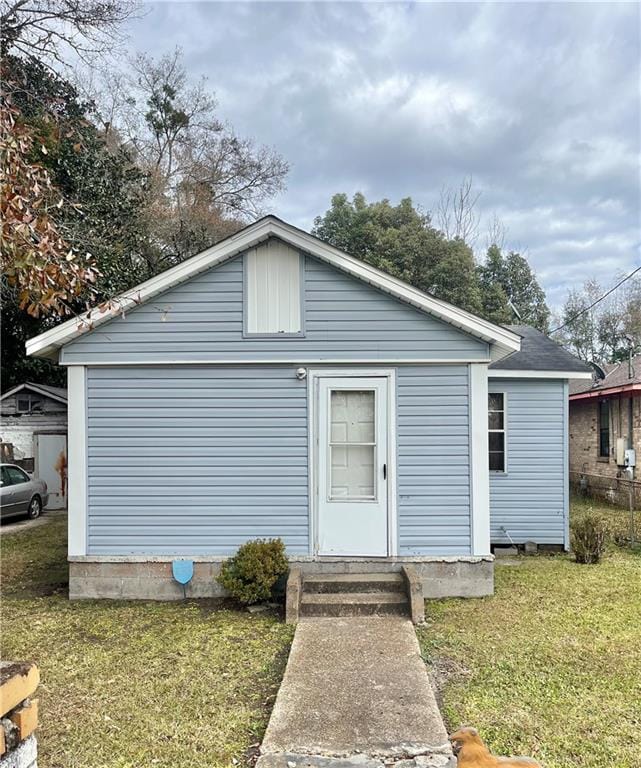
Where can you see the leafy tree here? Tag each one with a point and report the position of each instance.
(401, 240)
(99, 197)
(38, 263)
(506, 279)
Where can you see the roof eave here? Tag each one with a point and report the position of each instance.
(607, 392)
(524, 373)
(34, 388)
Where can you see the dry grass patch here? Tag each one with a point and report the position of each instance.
(549, 666)
(129, 684)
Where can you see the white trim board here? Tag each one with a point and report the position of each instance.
(46, 344)
(503, 373)
(77, 459)
(279, 361)
(479, 462)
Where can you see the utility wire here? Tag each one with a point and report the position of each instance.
(594, 303)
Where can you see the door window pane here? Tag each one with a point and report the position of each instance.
(352, 444)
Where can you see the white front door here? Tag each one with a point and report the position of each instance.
(353, 472)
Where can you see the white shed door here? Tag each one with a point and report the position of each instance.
(352, 466)
(51, 466)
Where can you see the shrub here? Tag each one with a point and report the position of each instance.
(250, 575)
(589, 535)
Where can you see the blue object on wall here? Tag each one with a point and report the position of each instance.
(183, 570)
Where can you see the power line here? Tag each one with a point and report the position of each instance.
(594, 303)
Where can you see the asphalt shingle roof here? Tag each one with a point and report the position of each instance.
(539, 353)
(616, 375)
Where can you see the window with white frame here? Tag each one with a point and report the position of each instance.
(496, 428)
(273, 290)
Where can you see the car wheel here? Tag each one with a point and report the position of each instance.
(35, 508)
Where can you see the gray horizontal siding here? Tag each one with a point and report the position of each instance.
(195, 460)
(345, 319)
(529, 499)
(433, 460)
(188, 460)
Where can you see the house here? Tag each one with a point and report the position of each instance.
(605, 421)
(273, 385)
(34, 434)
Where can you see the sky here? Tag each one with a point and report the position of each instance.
(538, 103)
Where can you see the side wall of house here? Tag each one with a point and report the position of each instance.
(528, 502)
(195, 460)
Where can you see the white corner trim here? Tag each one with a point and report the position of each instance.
(503, 373)
(46, 343)
(77, 459)
(479, 461)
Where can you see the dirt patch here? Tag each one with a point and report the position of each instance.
(443, 670)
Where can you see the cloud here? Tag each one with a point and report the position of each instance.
(538, 102)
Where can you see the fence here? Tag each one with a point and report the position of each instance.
(622, 499)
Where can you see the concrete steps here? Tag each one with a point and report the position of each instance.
(354, 594)
(354, 582)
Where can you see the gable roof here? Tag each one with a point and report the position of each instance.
(504, 340)
(540, 355)
(55, 393)
(617, 380)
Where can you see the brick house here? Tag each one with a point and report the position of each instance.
(605, 419)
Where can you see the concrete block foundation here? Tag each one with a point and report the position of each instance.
(135, 578)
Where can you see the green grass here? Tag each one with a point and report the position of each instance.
(549, 666)
(130, 684)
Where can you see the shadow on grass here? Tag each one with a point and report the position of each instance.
(34, 560)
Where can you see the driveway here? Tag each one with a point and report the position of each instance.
(23, 523)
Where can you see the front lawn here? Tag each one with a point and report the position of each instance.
(131, 684)
(549, 666)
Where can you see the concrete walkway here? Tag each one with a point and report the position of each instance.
(355, 692)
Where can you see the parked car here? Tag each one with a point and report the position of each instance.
(21, 494)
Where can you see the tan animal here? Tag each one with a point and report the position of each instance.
(471, 752)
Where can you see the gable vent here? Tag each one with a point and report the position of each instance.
(273, 289)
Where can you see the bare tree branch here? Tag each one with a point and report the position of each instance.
(496, 233)
(456, 212)
(44, 28)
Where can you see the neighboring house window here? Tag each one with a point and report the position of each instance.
(273, 290)
(604, 429)
(496, 427)
(27, 403)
